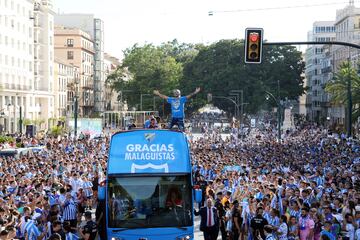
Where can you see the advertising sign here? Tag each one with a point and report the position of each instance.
(149, 151)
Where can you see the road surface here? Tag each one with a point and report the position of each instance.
(197, 234)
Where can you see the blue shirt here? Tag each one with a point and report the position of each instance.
(177, 106)
(328, 234)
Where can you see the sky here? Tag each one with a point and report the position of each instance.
(128, 22)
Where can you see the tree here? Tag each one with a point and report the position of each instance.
(144, 69)
(219, 68)
(338, 87)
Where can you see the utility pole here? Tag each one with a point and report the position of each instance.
(241, 105)
(20, 120)
(278, 102)
(349, 96)
(76, 81)
(75, 115)
(236, 95)
(279, 111)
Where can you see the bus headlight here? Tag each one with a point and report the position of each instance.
(184, 237)
(115, 238)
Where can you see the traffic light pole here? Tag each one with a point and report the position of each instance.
(75, 115)
(349, 96)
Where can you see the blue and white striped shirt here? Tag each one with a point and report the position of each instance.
(71, 236)
(70, 210)
(295, 213)
(32, 230)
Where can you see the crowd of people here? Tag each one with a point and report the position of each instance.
(52, 193)
(305, 188)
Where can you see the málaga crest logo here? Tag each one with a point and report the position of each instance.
(149, 137)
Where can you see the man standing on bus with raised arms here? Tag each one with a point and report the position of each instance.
(177, 106)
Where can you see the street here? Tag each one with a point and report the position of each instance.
(198, 235)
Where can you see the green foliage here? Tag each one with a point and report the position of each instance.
(217, 69)
(63, 119)
(27, 121)
(338, 87)
(6, 139)
(57, 131)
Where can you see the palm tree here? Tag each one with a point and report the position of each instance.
(338, 87)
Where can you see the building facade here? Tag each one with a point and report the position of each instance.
(94, 27)
(25, 41)
(76, 48)
(112, 101)
(66, 79)
(43, 59)
(317, 98)
(347, 26)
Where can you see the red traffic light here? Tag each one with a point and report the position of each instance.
(254, 37)
(253, 45)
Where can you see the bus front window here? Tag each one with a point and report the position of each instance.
(153, 201)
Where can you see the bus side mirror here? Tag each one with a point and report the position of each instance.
(197, 194)
(101, 191)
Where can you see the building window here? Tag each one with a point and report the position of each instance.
(70, 42)
(70, 55)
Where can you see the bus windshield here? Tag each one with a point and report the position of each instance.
(151, 201)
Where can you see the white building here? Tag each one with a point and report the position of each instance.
(347, 26)
(43, 60)
(95, 27)
(26, 62)
(317, 99)
(16, 62)
(65, 76)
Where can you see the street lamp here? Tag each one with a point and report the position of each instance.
(277, 100)
(141, 99)
(230, 99)
(76, 81)
(236, 92)
(20, 120)
(269, 94)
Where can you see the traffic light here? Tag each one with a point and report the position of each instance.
(253, 45)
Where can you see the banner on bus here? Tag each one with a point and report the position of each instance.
(149, 151)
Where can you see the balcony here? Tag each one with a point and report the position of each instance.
(325, 104)
(326, 69)
(88, 86)
(89, 102)
(41, 88)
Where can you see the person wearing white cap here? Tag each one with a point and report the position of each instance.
(177, 106)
